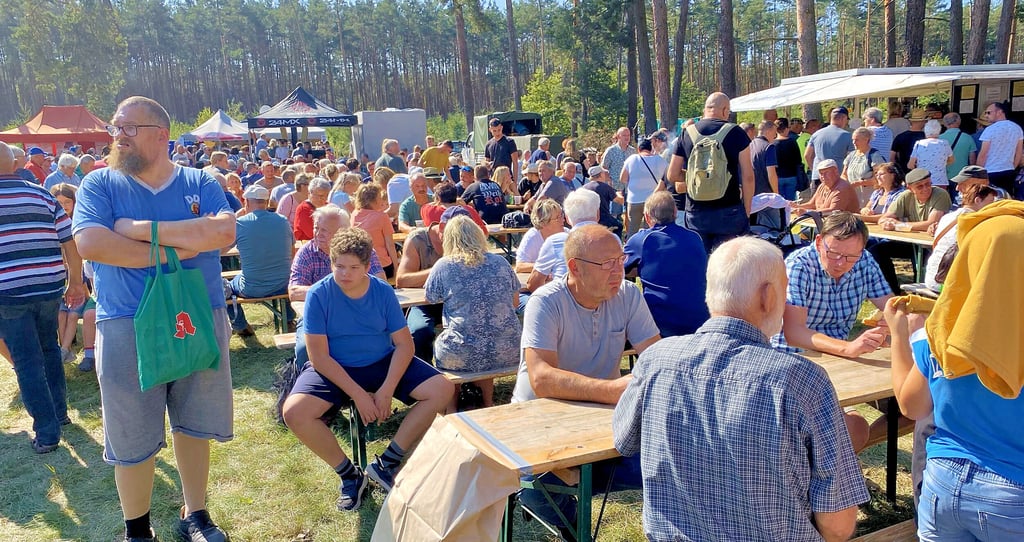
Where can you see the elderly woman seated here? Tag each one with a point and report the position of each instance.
(480, 293)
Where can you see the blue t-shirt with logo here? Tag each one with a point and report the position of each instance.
(358, 330)
(107, 195)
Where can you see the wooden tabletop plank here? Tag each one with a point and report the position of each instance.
(407, 297)
(858, 380)
(919, 238)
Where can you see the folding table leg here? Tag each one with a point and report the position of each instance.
(509, 520)
(583, 503)
(892, 428)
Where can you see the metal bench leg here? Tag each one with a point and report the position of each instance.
(509, 520)
(892, 428)
(357, 436)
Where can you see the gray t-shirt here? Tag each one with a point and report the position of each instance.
(588, 342)
(830, 142)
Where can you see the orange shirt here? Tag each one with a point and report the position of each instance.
(378, 225)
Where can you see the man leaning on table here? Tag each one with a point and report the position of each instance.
(828, 282)
(574, 332)
(764, 426)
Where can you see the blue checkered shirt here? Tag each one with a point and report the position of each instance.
(737, 440)
(832, 305)
(312, 264)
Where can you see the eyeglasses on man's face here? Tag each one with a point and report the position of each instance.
(838, 256)
(607, 265)
(130, 130)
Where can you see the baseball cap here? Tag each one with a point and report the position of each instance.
(35, 151)
(451, 213)
(970, 172)
(433, 173)
(917, 114)
(494, 122)
(917, 175)
(532, 168)
(827, 163)
(256, 192)
(841, 111)
(595, 171)
(466, 168)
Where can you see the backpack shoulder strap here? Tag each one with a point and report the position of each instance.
(694, 134)
(723, 131)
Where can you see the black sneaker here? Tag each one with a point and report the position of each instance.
(152, 538)
(198, 527)
(41, 448)
(351, 492)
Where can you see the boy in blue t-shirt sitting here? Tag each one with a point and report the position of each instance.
(360, 350)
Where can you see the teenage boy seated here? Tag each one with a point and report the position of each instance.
(360, 350)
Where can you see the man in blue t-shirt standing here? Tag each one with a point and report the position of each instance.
(265, 247)
(117, 207)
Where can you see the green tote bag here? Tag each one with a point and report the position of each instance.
(174, 333)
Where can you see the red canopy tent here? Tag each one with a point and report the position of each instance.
(56, 125)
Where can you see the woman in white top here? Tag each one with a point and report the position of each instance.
(975, 196)
(641, 174)
(933, 154)
(547, 220)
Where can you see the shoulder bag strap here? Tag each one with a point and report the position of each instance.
(942, 233)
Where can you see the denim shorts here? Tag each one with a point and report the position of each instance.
(370, 378)
(961, 501)
(199, 405)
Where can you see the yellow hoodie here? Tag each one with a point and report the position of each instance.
(977, 325)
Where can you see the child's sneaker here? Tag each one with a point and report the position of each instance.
(384, 476)
(351, 492)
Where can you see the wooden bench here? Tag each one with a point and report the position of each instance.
(284, 341)
(278, 305)
(456, 377)
(631, 354)
(903, 430)
(901, 532)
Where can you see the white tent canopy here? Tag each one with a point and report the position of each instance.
(221, 127)
(872, 83)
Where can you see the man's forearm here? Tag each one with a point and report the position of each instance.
(297, 292)
(198, 234)
(73, 261)
(101, 245)
(414, 279)
(561, 384)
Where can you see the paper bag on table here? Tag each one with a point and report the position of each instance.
(448, 490)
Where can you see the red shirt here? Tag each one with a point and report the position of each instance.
(37, 171)
(431, 213)
(303, 226)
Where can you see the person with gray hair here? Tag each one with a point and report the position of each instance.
(390, 157)
(793, 463)
(65, 172)
(542, 152)
(881, 135)
(965, 149)
(581, 208)
(671, 263)
(933, 154)
(20, 159)
(302, 227)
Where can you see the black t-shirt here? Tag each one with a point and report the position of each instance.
(486, 196)
(787, 153)
(499, 152)
(607, 195)
(735, 142)
(903, 145)
(525, 186)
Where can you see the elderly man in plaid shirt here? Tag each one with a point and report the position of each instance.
(313, 262)
(739, 440)
(828, 283)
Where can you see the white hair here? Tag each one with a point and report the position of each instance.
(736, 270)
(319, 183)
(581, 205)
(543, 142)
(932, 128)
(331, 210)
(67, 160)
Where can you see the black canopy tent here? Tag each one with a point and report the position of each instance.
(300, 109)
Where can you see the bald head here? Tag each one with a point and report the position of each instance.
(588, 239)
(717, 106)
(6, 159)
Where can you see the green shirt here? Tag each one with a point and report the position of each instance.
(962, 151)
(908, 209)
(409, 211)
(801, 141)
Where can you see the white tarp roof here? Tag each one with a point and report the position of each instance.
(871, 83)
(221, 127)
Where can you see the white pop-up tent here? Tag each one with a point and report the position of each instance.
(989, 82)
(221, 127)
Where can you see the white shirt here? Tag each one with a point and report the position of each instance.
(942, 246)
(1002, 137)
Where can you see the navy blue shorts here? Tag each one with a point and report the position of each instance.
(370, 378)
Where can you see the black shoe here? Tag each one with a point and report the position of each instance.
(41, 448)
(198, 527)
(248, 331)
(142, 538)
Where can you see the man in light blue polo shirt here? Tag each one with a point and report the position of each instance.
(574, 332)
(265, 248)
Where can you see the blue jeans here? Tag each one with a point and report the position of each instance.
(962, 502)
(30, 331)
(422, 321)
(623, 471)
(235, 312)
(787, 187)
(716, 226)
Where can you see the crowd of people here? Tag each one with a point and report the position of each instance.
(646, 248)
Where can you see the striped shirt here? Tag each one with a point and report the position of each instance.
(32, 227)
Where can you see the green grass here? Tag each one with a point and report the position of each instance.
(264, 485)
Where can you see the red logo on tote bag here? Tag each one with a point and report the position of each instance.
(183, 323)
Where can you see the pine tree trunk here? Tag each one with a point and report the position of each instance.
(667, 110)
(631, 75)
(513, 55)
(914, 35)
(956, 32)
(807, 48)
(1002, 50)
(727, 41)
(463, 51)
(643, 48)
(979, 32)
(680, 44)
(890, 33)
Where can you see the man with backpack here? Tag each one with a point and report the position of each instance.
(712, 171)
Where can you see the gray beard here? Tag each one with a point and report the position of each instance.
(130, 163)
